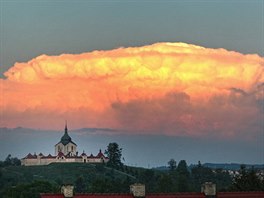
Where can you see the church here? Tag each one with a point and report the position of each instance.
(65, 151)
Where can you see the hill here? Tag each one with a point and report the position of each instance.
(86, 177)
(92, 178)
(31, 180)
(61, 173)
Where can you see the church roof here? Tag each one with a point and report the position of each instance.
(30, 156)
(48, 157)
(100, 154)
(60, 154)
(66, 139)
(91, 156)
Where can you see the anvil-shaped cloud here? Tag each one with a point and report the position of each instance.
(164, 88)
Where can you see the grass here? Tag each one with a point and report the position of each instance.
(61, 173)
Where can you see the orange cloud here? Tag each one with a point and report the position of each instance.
(170, 88)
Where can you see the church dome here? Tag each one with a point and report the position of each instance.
(65, 139)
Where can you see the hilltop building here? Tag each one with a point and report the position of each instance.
(65, 151)
(66, 145)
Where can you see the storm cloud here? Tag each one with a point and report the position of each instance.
(164, 88)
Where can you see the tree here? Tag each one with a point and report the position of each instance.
(31, 190)
(80, 185)
(15, 161)
(172, 164)
(114, 154)
(10, 161)
(182, 168)
(165, 183)
(200, 175)
(148, 178)
(247, 180)
(104, 185)
(183, 176)
(7, 161)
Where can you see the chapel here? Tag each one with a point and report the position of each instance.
(66, 145)
(65, 152)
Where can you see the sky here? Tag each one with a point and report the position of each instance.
(186, 70)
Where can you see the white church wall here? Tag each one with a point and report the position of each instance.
(59, 147)
(70, 147)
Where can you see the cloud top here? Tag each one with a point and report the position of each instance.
(169, 88)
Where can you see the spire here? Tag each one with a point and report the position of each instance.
(66, 128)
(65, 139)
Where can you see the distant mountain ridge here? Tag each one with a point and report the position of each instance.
(232, 166)
(224, 166)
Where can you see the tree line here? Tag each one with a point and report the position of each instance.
(10, 161)
(177, 178)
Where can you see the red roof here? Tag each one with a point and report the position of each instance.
(50, 195)
(240, 194)
(116, 195)
(30, 156)
(103, 195)
(48, 157)
(176, 195)
(94, 195)
(60, 154)
(100, 154)
(91, 156)
(161, 195)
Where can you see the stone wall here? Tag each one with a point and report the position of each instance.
(46, 161)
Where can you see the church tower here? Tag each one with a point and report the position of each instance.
(66, 145)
